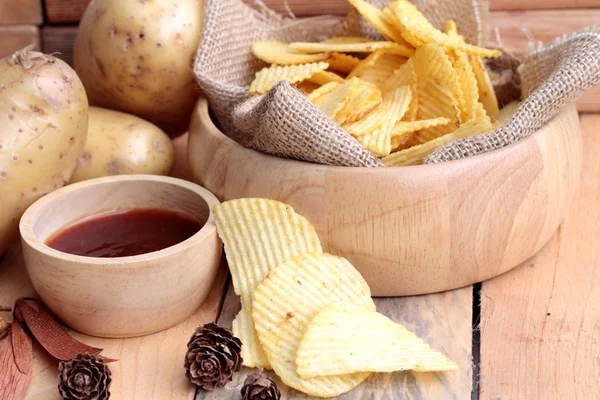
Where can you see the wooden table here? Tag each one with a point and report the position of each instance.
(533, 333)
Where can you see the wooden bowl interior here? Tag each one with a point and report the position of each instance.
(117, 195)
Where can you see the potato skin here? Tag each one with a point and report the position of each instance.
(44, 114)
(137, 57)
(119, 143)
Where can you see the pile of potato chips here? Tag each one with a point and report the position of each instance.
(401, 98)
(306, 314)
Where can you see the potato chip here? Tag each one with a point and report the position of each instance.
(465, 76)
(345, 338)
(405, 75)
(414, 24)
(307, 87)
(508, 111)
(395, 105)
(275, 52)
(364, 47)
(412, 40)
(323, 90)
(342, 62)
(258, 235)
(399, 142)
(416, 154)
(366, 63)
(324, 77)
(288, 299)
(438, 90)
(333, 102)
(382, 69)
(365, 97)
(379, 21)
(403, 127)
(346, 40)
(487, 96)
(372, 121)
(268, 77)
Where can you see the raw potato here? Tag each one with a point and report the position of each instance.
(136, 56)
(44, 114)
(120, 143)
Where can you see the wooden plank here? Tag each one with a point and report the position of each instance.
(443, 320)
(21, 12)
(539, 322)
(149, 367)
(59, 40)
(340, 7)
(517, 29)
(62, 11)
(15, 37)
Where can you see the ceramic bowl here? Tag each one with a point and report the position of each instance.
(123, 296)
(416, 229)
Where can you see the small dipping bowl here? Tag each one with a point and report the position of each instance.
(122, 296)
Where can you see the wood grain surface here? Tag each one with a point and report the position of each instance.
(442, 320)
(15, 37)
(417, 229)
(149, 367)
(539, 322)
(20, 12)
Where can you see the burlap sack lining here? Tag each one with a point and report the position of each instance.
(284, 123)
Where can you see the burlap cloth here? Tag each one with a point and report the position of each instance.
(285, 123)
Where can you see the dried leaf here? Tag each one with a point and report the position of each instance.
(22, 348)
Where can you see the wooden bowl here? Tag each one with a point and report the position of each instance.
(123, 296)
(416, 229)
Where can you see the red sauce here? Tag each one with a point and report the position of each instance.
(124, 233)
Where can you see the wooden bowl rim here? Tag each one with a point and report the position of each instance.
(491, 156)
(209, 228)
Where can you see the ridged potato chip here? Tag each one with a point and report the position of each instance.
(366, 63)
(465, 76)
(414, 24)
(276, 52)
(258, 235)
(342, 62)
(333, 102)
(323, 90)
(324, 77)
(382, 69)
(399, 142)
(365, 97)
(487, 96)
(395, 104)
(268, 77)
(346, 40)
(288, 299)
(401, 128)
(345, 338)
(363, 47)
(405, 75)
(307, 87)
(379, 21)
(416, 154)
(438, 90)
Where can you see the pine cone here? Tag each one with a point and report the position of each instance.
(258, 386)
(84, 377)
(212, 357)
